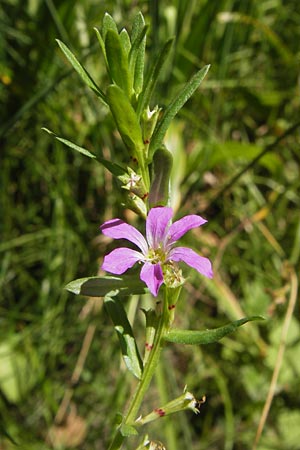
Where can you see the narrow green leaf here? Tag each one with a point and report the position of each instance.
(85, 76)
(128, 345)
(115, 169)
(125, 41)
(174, 107)
(70, 144)
(137, 57)
(102, 286)
(125, 118)
(153, 74)
(137, 25)
(137, 45)
(108, 23)
(118, 61)
(101, 42)
(192, 337)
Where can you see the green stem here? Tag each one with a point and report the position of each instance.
(144, 169)
(147, 375)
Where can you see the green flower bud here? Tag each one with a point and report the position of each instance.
(181, 403)
(133, 182)
(160, 186)
(149, 120)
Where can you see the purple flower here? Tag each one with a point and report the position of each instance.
(157, 253)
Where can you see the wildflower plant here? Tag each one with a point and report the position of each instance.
(145, 181)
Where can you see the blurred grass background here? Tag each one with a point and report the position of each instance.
(237, 163)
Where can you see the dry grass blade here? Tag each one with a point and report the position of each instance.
(280, 355)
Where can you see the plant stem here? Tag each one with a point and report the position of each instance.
(147, 375)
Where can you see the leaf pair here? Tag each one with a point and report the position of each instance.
(111, 288)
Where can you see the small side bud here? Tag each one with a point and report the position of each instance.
(151, 327)
(185, 401)
(162, 166)
(149, 120)
(133, 182)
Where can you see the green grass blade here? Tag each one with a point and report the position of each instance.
(154, 72)
(82, 72)
(174, 107)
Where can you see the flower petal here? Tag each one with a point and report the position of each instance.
(152, 275)
(157, 224)
(120, 260)
(179, 228)
(191, 258)
(118, 229)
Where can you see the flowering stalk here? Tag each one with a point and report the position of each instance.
(146, 182)
(148, 372)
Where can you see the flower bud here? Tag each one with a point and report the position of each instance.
(149, 119)
(133, 182)
(181, 403)
(162, 166)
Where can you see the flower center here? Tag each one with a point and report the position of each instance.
(156, 255)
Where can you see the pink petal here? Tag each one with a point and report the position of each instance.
(179, 228)
(120, 260)
(117, 229)
(191, 258)
(157, 224)
(152, 275)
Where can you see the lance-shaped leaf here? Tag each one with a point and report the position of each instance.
(128, 345)
(101, 43)
(108, 23)
(174, 107)
(117, 61)
(83, 73)
(115, 169)
(102, 286)
(138, 25)
(125, 118)
(70, 144)
(137, 52)
(192, 337)
(151, 80)
(125, 41)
